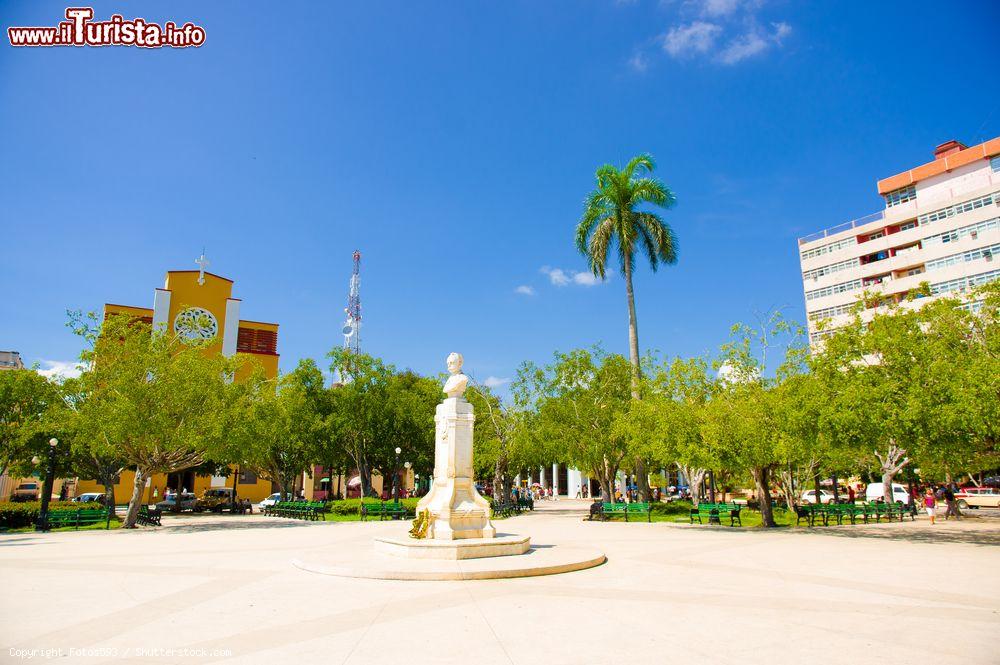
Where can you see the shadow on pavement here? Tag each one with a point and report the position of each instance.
(937, 534)
(232, 526)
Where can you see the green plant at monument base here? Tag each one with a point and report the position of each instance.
(421, 524)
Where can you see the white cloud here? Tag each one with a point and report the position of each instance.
(495, 381)
(557, 276)
(717, 8)
(697, 37)
(781, 30)
(724, 31)
(54, 369)
(639, 62)
(525, 290)
(560, 277)
(752, 43)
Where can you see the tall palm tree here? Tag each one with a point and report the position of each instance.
(612, 217)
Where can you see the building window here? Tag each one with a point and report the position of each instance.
(830, 269)
(832, 247)
(907, 226)
(251, 340)
(963, 284)
(995, 164)
(972, 231)
(959, 208)
(248, 477)
(899, 196)
(981, 253)
(844, 287)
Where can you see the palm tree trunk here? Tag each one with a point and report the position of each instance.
(633, 329)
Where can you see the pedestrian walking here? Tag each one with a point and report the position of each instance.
(930, 503)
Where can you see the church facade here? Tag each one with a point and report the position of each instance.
(205, 299)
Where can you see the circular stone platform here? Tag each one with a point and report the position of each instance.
(544, 560)
(465, 548)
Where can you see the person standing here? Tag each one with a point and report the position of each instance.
(850, 495)
(930, 503)
(949, 499)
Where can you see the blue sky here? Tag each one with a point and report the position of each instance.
(453, 144)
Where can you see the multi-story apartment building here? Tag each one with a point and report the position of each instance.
(941, 225)
(11, 360)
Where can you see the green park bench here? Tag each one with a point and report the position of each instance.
(149, 517)
(303, 510)
(78, 517)
(608, 510)
(384, 509)
(505, 508)
(715, 512)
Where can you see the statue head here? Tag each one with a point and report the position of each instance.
(454, 363)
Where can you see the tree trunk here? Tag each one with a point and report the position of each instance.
(633, 329)
(694, 477)
(761, 478)
(711, 486)
(891, 462)
(109, 497)
(787, 481)
(133, 505)
(836, 492)
(816, 489)
(642, 480)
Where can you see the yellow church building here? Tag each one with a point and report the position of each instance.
(205, 300)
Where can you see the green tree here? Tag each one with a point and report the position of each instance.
(26, 399)
(577, 399)
(277, 424)
(153, 399)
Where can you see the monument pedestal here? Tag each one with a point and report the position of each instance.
(457, 510)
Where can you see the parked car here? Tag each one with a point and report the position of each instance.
(188, 502)
(90, 497)
(216, 500)
(270, 500)
(899, 494)
(978, 497)
(29, 491)
(809, 496)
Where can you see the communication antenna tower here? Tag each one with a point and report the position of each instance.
(352, 326)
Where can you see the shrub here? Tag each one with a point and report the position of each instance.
(353, 506)
(18, 514)
(672, 508)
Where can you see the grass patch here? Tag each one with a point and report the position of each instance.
(115, 524)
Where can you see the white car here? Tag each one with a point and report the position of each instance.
(809, 496)
(270, 500)
(978, 497)
(89, 497)
(899, 493)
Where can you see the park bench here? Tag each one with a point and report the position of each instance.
(384, 509)
(149, 516)
(505, 508)
(303, 510)
(79, 517)
(606, 510)
(715, 512)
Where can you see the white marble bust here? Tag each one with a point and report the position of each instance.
(456, 383)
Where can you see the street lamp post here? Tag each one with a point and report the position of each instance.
(395, 477)
(43, 513)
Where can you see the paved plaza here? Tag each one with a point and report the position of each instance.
(223, 589)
